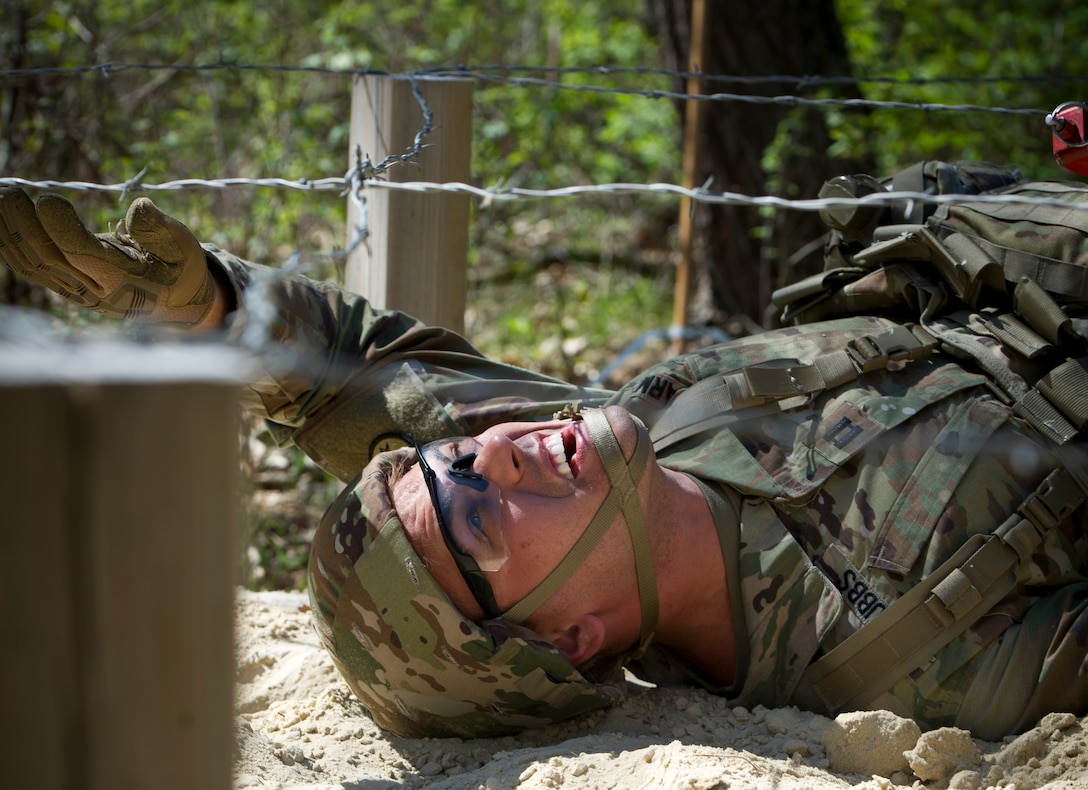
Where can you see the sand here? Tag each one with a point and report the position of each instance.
(298, 726)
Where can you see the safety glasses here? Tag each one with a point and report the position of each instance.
(469, 512)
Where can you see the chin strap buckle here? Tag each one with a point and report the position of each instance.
(572, 411)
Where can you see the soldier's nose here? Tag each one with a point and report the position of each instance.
(500, 461)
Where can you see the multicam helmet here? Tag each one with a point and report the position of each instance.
(418, 665)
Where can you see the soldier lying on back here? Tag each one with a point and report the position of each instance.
(726, 519)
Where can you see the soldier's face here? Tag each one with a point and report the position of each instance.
(545, 482)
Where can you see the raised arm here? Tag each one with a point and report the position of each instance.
(341, 378)
(151, 268)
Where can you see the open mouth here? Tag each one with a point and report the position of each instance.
(562, 447)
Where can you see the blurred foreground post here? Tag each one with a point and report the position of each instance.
(120, 517)
(415, 258)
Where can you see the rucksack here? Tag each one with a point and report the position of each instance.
(1004, 284)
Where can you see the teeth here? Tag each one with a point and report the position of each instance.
(554, 445)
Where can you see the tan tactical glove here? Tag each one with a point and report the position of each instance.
(152, 268)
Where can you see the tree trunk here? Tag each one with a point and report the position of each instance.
(744, 254)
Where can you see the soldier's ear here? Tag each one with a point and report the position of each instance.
(581, 639)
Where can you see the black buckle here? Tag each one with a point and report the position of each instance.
(873, 352)
(1053, 501)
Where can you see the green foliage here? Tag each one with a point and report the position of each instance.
(566, 307)
(283, 503)
(191, 122)
(969, 40)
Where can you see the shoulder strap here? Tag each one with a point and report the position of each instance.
(916, 626)
(774, 386)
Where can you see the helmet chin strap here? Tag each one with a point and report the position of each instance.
(622, 497)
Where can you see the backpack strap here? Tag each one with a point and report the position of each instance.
(782, 384)
(909, 633)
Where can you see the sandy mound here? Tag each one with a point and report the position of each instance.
(298, 726)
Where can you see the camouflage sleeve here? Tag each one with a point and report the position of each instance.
(343, 380)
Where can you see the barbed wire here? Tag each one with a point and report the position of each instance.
(748, 98)
(108, 68)
(811, 80)
(491, 73)
(500, 193)
(365, 174)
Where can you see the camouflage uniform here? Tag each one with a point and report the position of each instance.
(827, 512)
(845, 503)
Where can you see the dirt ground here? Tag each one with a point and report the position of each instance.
(298, 726)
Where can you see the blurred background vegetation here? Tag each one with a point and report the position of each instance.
(560, 285)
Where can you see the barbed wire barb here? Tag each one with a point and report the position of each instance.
(132, 183)
(356, 183)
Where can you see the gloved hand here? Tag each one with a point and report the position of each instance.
(152, 268)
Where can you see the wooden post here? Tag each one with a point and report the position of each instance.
(693, 126)
(120, 487)
(415, 259)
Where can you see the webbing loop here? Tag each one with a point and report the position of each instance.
(1014, 333)
(958, 595)
(1044, 417)
(965, 265)
(1040, 310)
(1066, 386)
